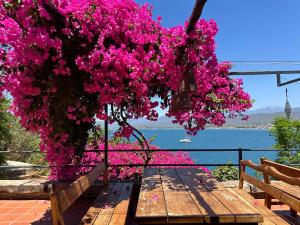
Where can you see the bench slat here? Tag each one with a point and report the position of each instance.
(287, 170)
(101, 201)
(109, 203)
(95, 208)
(63, 199)
(274, 192)
(272, 171)
(110, 206)
(124, 199)
(77, 188)
(290, 189)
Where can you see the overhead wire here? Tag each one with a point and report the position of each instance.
(263, 62)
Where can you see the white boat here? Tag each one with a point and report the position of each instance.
(185, 140)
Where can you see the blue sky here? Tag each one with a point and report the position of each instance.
(256, 30)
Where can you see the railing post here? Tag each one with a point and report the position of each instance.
(106, 138)
(240, 158)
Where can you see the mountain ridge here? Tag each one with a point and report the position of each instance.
(259, 118)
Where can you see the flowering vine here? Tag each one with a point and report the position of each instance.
(92, 157)
(63, 60)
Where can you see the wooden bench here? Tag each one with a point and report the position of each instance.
(285, 188)
(110, 206)
(284, 185)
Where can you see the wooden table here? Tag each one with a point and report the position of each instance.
(190, 196)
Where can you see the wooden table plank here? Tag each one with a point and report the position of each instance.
(190, 196)
(151, 208)
(190, 180)
(278, 220)
(170, 181)
(212, 210)
(243, 212)
(269, 216)
(209, 182)
(267, 222)
(117, 219)
(181, 208)
(151, 180)
(248, 198)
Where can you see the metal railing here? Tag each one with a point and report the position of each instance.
(238, 151)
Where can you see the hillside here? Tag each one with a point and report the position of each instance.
(258, 118)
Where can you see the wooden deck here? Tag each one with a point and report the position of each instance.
(187, 196)
(165, 196)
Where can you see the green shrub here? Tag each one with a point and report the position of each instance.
(21, 140)
(223, 173)
(287, 138)
(5, 123)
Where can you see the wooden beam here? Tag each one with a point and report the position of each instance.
(197, 11)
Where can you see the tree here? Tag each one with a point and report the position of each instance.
(12, 136)
(5, 123)
(287, 139)
(63, 61)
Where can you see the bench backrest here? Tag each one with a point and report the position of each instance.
(271, 171)
(287, 170)
(62, 200)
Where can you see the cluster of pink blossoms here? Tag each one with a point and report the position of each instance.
(137, 157)
(63, 60)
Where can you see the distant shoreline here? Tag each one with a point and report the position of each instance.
(208, 128)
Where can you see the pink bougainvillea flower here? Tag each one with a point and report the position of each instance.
(154, 197)
(63, 61)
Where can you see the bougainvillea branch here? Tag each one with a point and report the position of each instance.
(197, 11)
(63, 60)
(143, 142)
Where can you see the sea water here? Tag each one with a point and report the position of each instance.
(254, 139)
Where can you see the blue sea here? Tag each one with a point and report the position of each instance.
(255, 139)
